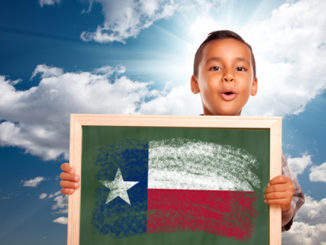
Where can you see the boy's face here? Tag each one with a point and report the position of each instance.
(225, 77)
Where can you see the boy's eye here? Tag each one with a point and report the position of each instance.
(241, 68)
(215, 68)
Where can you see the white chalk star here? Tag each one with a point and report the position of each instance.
(118, 187)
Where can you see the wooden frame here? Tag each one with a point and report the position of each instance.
(274, 124)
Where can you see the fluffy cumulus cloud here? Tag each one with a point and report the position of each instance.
(299, 164)
(33, 182)
(37, 119)
(302, 233)
(318, 173)
(309, 226)
(48, 2)
(176, 101)
(289, 47)
(125, 19)
(313, 212)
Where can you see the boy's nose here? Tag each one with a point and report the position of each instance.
(228, 77)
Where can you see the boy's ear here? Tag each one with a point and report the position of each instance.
(254, 87)
(194, 85)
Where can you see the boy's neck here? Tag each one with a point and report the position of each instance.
(210, 114)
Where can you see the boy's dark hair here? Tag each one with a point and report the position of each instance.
(217, 35)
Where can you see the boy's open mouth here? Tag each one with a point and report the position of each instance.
(228, 95)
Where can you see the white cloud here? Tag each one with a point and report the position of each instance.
(289, 47)
(125, 19)
(47, 71)
(309, 227)
(55, 194)
(48, 2)
(318, 173)
(109, 70)
(177, 101)
(299, 164)
(37, 119)
(33, 182)
(305, 234)
(61, 204)
(43, 195)
(313, 212)
(61, 220)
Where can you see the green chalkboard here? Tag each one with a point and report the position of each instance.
(174, 185)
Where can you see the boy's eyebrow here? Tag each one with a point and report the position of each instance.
(213, 59)
(219, 59)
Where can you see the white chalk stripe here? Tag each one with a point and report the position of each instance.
(191, 164)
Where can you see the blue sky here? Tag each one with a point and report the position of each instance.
(81, 56)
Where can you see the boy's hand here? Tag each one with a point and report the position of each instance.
(279, 192)
(69, 180)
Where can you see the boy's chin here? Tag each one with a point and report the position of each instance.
(222, 112)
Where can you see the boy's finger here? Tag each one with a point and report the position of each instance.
(69, 184)
(277, 195)
(67, 168)
(279, 180)
(67, 191)
(281, 202)
(71, 177)
(278, 188)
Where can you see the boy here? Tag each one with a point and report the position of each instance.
(225, 76)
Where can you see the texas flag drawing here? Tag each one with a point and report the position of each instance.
(173, 186)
